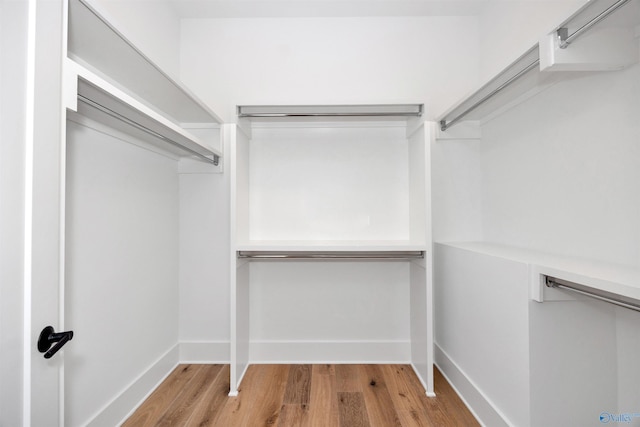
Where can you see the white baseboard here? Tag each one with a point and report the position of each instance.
(329, 352)
(123, 405)
(204, 352)
(482, 408)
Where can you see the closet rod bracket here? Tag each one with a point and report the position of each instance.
(563, 35)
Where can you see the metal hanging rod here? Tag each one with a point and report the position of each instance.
(618, 300)
(444, 124)
(215, 160)
(563, 32)
(331, 255)
(391, 110)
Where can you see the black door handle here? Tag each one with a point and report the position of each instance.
(48, 337)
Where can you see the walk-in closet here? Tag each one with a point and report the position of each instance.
(412, 211)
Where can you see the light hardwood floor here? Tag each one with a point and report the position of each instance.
(301, 395)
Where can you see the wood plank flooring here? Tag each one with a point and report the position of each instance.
(302, 395)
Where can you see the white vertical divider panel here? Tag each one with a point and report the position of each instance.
(241, 194)
(238, 146)
(419, 176)
(240, 337)
(420, 287)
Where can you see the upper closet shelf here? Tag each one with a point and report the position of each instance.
(94, 97)
(109, 74)
(601, 36)
(283, 111)
(331, 246)
(331, 250)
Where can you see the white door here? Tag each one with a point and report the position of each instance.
(43, 212)
(13, 43)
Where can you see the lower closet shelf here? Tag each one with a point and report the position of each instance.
(612, 279)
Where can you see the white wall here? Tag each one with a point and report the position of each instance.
(204, 261)
(121, 267)
(323, 183)
(323, 303)
(561, 172)
(13, 30)
(329, 61)
(152, 26)
(456, 193)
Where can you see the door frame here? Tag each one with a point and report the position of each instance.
(43, 387)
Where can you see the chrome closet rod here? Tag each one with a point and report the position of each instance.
(145, 129)
(552, 282)
(444, 125)
(268, 115)
(376, 110)
(566, 39)
(401, 255)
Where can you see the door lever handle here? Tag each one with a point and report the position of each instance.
(48, 337)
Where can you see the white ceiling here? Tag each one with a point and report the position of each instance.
(323, 8)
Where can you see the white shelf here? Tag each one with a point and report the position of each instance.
(103, 96)
(109, 80)
(616, 279)
(331, 246)
(96, 44)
